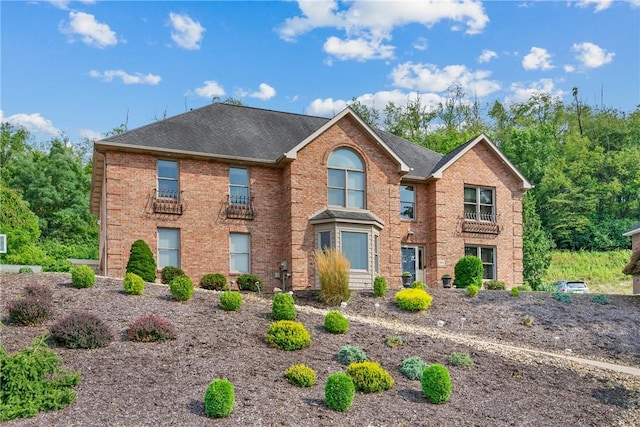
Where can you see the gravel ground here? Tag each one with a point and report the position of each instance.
(147, 384)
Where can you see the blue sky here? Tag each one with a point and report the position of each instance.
(84, 67)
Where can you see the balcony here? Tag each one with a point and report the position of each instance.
(167, 202)
(475, 222)
(240, 207)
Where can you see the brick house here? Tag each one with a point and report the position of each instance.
(634, 233)
(233, 189)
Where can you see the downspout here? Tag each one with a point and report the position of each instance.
(106, 241)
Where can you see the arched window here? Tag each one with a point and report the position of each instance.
(346, 179)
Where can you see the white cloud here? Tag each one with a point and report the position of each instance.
(487, 55)
(128, 79)
(326, 107)
(360, 49)
(521, 93)
(266, 92)
(591, 55)
(64, 4)
(422, 43)
(187, 33)
(537, 59)
(211, 89)
(599, 4)
(90, 31)
(91, 135)
(32, 122)
(429, 78)
(569, 68)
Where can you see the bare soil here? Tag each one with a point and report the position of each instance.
(150, 384)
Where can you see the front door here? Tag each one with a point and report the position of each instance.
(412, 261)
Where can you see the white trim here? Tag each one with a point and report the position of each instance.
(526, 185)
(3, 243)
(632, 232)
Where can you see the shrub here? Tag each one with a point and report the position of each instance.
(32, 381)
(219, 398)
(379, 286)
(460, 359)
(349, 354)
(141, 261)
(81, 330)
(412, 368)
(524, 288)
(230, 300)
(300, 375)
(336, 323)
(436, 383)
(181, 288)
(152, 328)
(214, 282)
(369, 377)
(472, 291)
(169, 272)
(393, 341)
(419, 284)
(562, 297)
(600, 299)
(25, 269)
(333, 269)
(468, 271)
(515, 292)
(339, 392)
(42, 293)
(495, 285)
(133, 284)
(249, 282)
(283, 307)
(527, 321)
(83, 276)
(413, 299)
(34, 308)
(288, 335)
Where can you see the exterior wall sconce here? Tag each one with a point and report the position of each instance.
(410, 233)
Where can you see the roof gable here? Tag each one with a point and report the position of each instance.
(633, 230)
(456, 154)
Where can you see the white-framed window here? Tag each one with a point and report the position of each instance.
(168, 179)
(324, 240)
(355, 247)
(479, 203)
(407, 202)
(239, 186)
(346, 179)
(487, 255)
(239, 253)
(168, 247)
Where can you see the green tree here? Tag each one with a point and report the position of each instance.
(17, 222)
(536, 244)
(141, 261)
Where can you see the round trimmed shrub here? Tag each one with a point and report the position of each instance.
(300, 375)
(230, 300)
(468, 271)
(379, 286)
(283, 307)
(142, 262)
(219, 398)
(495, 285)
(412, 368)
(181, 288)
(152, 328)
(25, 269)
(214, 282)
(339, 391)
(83, 276)
(288, 335)
(29, 311)
(369, 377)
(81, 330)
(460, 359)
(249, 282)
(336, 323)
(436, 383)
(349, 354)
(419, 284)
(413, 299)
(515, 292)
(169, 272)
(472, 290)
(133, 284)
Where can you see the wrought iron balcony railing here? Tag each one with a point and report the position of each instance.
(240, 207)
(167, 202)
(477, 222)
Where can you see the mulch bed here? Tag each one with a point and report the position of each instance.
(148, 384)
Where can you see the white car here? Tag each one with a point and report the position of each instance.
(572, 287)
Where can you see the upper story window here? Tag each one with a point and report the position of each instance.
(346, 179)
(407, 202)
(168, 181)
(239, 186)
(479, 203)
